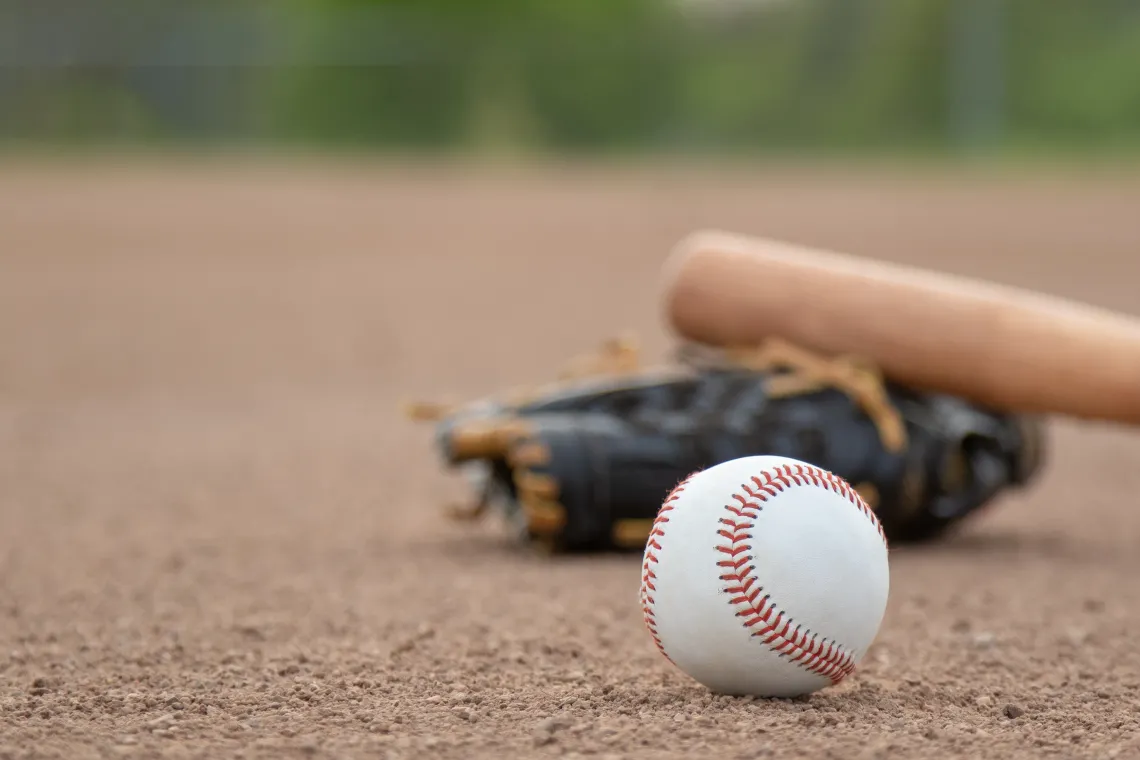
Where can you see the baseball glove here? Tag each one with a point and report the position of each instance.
(584, 463)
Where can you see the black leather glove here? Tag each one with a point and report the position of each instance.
(584, 464)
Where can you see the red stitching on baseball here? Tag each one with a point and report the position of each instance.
(647, 575)
(763, 618)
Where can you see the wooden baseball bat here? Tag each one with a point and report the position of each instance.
(1007, 348)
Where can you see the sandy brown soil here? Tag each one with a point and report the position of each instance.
(218, 538)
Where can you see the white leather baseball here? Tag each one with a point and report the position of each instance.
(765, 576)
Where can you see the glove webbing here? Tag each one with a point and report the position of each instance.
(809, 373)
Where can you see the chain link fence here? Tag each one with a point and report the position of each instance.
(773, 75)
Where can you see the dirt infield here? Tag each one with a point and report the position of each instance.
(218, 538)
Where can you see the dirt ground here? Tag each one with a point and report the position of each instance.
(219, 538)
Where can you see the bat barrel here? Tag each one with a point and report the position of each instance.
(1004, 347)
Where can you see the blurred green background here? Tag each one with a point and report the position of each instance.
(575, 75)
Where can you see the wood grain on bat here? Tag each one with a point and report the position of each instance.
(1006, 347)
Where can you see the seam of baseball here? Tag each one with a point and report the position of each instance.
(648, 576)
(764, 619)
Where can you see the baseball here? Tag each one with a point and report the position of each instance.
(765, 576)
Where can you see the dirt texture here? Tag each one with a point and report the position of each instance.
(220, 538)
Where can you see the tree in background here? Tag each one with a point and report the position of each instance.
(436, 73)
